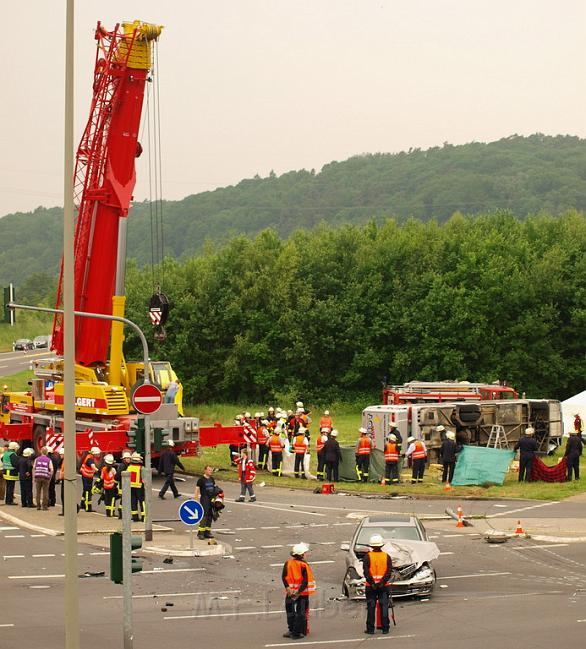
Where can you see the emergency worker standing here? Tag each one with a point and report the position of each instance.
(392, 460)
(418, 453)
(25, 475)
(54, 457)
(300, 447)
(246, 475)
(448, 456)
(109, 486)
(527, 447)
(137, 503)
(42, 472)
(332, 456)
(207, 488)
(3, 449)
(573, 453)
(320, 442)
(578, 423)
(363, 450)
(378, 569)
(263, 436)
(61, 479)
(120, 467)
(88, 469)
(326, 421)
(276, 446)
(299, 582)
(167, 463)
(9, 461)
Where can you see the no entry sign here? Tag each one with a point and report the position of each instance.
(147, 399)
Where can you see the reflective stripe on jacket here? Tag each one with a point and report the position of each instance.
(88, 470)
(364, 446)
(42, 467)
(321, 442)
(294, 577)
(135, 475)
(419, 453)
(300, 444)
(108, 477)
(378, 565)
(391, 452)
(275, 444)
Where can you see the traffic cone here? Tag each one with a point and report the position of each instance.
(519, 531)
(383, 482)
(460, 513)
(448, 487)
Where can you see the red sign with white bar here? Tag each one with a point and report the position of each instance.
(147, 398)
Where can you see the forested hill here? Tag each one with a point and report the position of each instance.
(521, 174)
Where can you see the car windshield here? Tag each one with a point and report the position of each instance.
(388, 532)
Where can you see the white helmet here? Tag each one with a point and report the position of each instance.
(334, 433)
(451, 435)
(127, 455)
(327, 413)
(109, 459)
(13, 446)
(440, 428)
(95, 450)
(247, 415)
(62, 451)
(299, 404)
(261, 414)
(362, 430)
(170, 443)
(27, 452)
(271, 409)
(410, 439)
(136, 457)
(256, 415)
(299, 549)
(376, 541)
(289, 412)
(325, 429)
(299, 411)
(49, 448)
(529, 431)
(392, 437)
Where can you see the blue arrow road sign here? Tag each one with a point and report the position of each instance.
(190, 512)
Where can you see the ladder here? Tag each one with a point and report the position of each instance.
(497, 438)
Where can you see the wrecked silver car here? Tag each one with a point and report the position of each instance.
(410, 550)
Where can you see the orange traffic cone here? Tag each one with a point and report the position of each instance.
(519, 529)
(460, 513)
(448, 487)
(383, 482)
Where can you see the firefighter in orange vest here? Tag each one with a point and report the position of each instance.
(88, 469)
(300, 446)
(109, 486)
(418, 453)
(378, 569)
(392, 460)
(363, 451)
(137, 503)
(326, 421)
(276, 446)
(299, 584)
(263, 437)
(322, 438)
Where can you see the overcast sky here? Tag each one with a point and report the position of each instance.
(252, 85)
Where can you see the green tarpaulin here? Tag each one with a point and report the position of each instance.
(348, 465)
(479, 465)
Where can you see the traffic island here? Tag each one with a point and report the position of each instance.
(180, 545)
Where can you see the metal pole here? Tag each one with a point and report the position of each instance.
(69, 432)
(148, 479)
(126, 561)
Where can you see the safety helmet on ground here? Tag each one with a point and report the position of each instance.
(327, 413)
(411, 439)
(392, 437)
(136, 457)
(299, 549)
(13, 446)
(440, 428)
(27, 452)
(109, 459)
(376, 541)
(95, 450)
(170, 443)
(334, 433)
(127, 455)
(451, 435)
(362, 431)
(529, 431)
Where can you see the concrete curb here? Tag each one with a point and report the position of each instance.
(216, 550)
(29, 526)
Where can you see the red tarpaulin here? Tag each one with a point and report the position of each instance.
(556, 473)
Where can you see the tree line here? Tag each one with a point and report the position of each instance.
(329, 314)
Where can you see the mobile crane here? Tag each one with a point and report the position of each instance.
(103, 184)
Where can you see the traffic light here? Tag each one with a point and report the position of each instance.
(136, 435)
(136, 544)
(116, 574)
(116, 560)
(160, 434)
(9, 314)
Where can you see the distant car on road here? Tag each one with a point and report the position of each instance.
(410, 550)
(42, 342)
(23, 344)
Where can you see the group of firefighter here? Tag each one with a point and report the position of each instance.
(279, 430)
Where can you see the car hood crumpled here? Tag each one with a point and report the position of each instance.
(405, 552)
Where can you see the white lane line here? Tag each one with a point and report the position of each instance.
(13, 556)
(327, 542)
(545, 545)
(523, 509)
(98, 554)
(444, 553)
(38, 556)
(360, 640)
(543, 592)
(313, 563)
(7, 625)
(14, 536)
(271, 527)
(453, 536)
(207, 615)
(287, 509)
(580, 620)
(245, 547)
(244, 529)
(39, 587)
(211, 592)
(342, 523)
(503, 506)
(7, 529)
(79, 554)
(319, 525)
(36, 577)
(37, 536)
(482, 574)
(269, 547)
(162, 572)
(291, 527)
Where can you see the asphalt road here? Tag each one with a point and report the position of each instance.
(515, 595)
(13, 362)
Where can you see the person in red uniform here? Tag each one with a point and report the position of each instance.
(299, 582)
(378, 569)
(246, 475)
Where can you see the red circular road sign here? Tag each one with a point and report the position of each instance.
(147, 398)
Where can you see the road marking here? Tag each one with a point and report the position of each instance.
(269, 547)
(312, 642)
(7, 625)
(98, 554)
(13, 556)
(523, 509)
(319, 525)
(453, 536)
(544, 592)
(211, 592)
(482, 574)
(244, 529)
(161, 572)
(313, 563)
(284, 509)
(14, 536)
(39, 587)
(534, 547)
(290, 527)
(38, 556)
(246, 547)
(327, 542)
(580, 620)
(37, 536)
(36, 577)
(272, 527)
(207, 615)
(444, 553)
(342, 523)
(7, 529)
